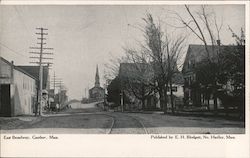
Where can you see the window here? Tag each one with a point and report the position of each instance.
(174, 89)
(189, 64)
(193, 63)
(189, 80)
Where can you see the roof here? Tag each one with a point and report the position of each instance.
(135, 70)
(34, 71)
(178, 78)
(198, 53)
(96, 88)
(6, 61)
(17, 68)
(143, 71)
(23, 71)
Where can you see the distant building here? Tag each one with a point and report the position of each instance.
(18, 90)
(177, 89)
(132, 74)
(61, 98)
(97, 92)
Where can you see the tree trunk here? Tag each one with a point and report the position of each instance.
(208, 97)
(226, 110)
(171, 97)
(143, 97)
(161, 99)
(215, 106)
(143, 104)
(165, 109)
(215, 102)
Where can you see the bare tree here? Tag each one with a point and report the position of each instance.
(165, 53)
(200, 24)
(174, 52)
(155, 48)
(137, 79)
(112, 67)
(155, 64)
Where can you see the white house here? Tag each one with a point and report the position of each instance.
(18, 90)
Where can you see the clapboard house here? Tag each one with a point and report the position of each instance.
(194, 95)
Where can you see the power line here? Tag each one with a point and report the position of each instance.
(21, 20)
(12, 50)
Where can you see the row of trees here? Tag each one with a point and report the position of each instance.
(154, 65)
(164, 53)
(221, 64)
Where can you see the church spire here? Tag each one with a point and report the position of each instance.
(97, 79)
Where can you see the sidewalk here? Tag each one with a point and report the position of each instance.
(8, 123)
(211, 114)
(219, 115)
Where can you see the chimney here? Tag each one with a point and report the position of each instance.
(12, 71)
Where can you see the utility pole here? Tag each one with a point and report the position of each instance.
(54, 82)
(85, 92)
(122, 108)
(60, 97)
(57, 83)
(40, 54)
(48, 86)
(49, 68)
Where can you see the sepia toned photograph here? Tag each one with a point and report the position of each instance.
(122, 69)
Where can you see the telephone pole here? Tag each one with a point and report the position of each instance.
(85, 92)
(57, 83)
(40, 56)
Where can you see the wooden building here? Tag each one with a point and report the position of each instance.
(18, 90)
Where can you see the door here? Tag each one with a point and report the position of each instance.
(5, 104)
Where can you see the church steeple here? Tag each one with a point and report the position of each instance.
(97, 79)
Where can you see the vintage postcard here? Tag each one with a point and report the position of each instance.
(124, 79)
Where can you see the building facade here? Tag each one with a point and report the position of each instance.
(18, 90)
(193, 93)
(34, 71)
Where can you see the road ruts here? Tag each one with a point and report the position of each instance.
(125, 124)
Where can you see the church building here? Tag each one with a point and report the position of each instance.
(97, 92)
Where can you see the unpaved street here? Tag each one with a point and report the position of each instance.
(162, 124)
(124, 124)
(89, 119)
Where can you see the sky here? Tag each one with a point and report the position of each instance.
(86, 36)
